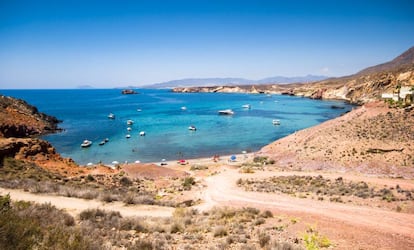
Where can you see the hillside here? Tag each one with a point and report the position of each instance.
(362, 87)
(20, 124)
(20, 119)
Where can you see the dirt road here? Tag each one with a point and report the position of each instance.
(355, 221)
(75, 205)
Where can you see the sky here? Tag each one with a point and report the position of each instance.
(105, 44)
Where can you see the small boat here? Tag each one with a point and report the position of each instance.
(142, 133)
(86, 143)
(111, 116)
(226, 112)
(129, 92)
(129, 128)
(139, 110)
(247, 106)
(106, 140)
(130, 122)
(183, 108)
(102, 143)
(192, 128)
(276, 122)
(128, 136)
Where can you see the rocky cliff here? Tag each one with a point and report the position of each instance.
(20, 122)
(20, 119)
(362, 87)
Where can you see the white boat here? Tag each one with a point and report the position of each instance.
(192, 127)
(111, 116)
(183, 108)
(129, 128)
(247, 106)
(226, 112)
(142, 133)
(139, 110)
(128, 136)
(86, 143)
(102, 143)
(276, 122)
(130, 122)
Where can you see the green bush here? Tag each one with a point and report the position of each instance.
(27, 226)
(188, 182)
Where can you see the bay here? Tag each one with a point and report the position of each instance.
(159, 113)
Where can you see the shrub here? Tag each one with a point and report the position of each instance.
(267, 214)
(188, 182)
(198, 167)
(107, 197)
(313, 240)
(259, 221)
(220, 231)
(90, 178)
(4, 203)
(142, 244)
(263, 238)
(260, 159)
(125, 181)
(28, 226)
(246, 170)
(176, 228)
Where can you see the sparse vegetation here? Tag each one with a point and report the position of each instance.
(188, 182)
(304, 186)
(314, 241)
(196, 167)
(28, 226)
(108, 188)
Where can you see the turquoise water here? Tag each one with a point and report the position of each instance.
(84, 114)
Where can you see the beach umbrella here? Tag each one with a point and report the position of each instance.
(233, 157)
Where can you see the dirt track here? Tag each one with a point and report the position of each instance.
(349, 226)
(74, 205)
(356, 222)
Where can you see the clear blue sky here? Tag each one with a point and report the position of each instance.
(64, 44)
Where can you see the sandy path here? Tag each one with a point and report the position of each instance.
(75, 205)
(222, 190)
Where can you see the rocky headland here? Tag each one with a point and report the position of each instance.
(363, 87)
(20, 125)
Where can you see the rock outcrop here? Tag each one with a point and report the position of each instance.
(20, 122)
(20, 119)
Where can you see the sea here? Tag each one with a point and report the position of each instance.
(165, 117)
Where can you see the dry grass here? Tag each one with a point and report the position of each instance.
(219, 228)
(322, 188)
(108, 188)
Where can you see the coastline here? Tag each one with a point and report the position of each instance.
(348, 223)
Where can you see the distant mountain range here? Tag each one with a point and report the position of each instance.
(194, 82)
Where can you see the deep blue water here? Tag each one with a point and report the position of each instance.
(84, 114)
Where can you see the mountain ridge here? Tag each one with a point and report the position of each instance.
(217, 81)
(364, 86)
